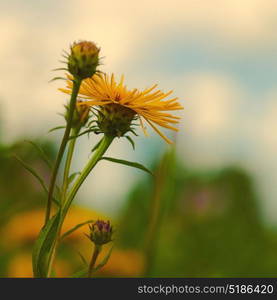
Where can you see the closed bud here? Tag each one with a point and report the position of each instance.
(100, 232)
(80, 115)
(83, 59)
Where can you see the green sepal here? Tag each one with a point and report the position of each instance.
(131, 141)
(57, 78)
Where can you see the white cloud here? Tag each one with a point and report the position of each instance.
(210, 118)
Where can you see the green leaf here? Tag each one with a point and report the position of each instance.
(60, 69)
(82, 133)
(97, 145)
(42, 154)
(83, 273)
(32, 171)
(72, 176)
(131, 141)
(35, 174)
(128, 163)
(75, 228)
(83, 259)
(44, 246)
(56, 128)
(57, 78)
(104, 261)
(57, 194)
(80, 274)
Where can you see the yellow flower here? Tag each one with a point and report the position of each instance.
(103, 91)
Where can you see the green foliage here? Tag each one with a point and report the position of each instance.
(211, 226)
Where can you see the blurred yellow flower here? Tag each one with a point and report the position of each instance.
(23, 229)
(124, 263)
(102, 90)
(21, 266)
(25, 226)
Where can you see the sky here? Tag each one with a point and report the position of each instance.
(218, 56)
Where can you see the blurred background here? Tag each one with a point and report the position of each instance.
(212, 209)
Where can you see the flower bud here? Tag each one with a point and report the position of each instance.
(83, 59)
(80, 116)
(100, 232)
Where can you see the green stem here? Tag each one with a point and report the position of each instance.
(96, 251)
(72, 105)
(70, 152)
(99, 152)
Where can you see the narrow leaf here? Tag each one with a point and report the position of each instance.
(97, 145)
(35, 174)
(57, 192)
(83, 273)
(128, 163)
(44, 246)
(57, 78)
(75, 228)
(43, 155)
(80, 274)
(60, 69)
(32, 171)
(76, 136)
(56, 128)
(83, 259)
(104, 261)
(72, 176)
